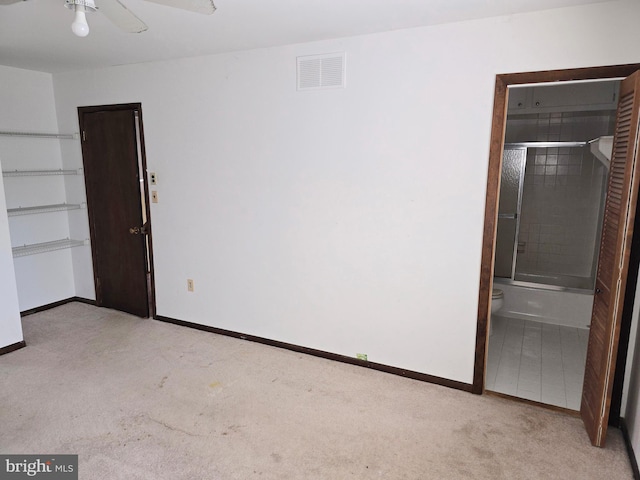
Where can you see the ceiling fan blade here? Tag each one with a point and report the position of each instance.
(121, 16)
(199, 6)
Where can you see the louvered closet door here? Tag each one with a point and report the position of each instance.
(613, 263)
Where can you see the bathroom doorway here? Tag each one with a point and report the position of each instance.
(610, 319)
(556, 155)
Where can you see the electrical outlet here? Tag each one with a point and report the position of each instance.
(189, 285)
(153, 178)
(154, 196)
(361, 356)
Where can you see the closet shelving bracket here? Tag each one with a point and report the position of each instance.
(59, 207)
(66, 136)
(37, 173)
(35, 248)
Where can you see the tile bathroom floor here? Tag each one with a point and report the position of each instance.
(537, 361)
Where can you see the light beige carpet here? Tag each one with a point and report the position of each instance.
(142, 399)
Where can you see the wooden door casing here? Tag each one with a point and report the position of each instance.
(503, 81)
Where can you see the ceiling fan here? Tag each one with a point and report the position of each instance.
(119, 14)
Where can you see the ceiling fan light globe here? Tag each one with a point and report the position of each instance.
(80, 27)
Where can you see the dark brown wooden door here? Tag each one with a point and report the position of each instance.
(615, 247)
(110, 155)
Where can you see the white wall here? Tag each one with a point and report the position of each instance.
(345, 220)
(28, 106)
(10, 325)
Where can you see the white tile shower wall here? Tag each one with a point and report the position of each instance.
(561, 203)
(562, 194)
(546, 306)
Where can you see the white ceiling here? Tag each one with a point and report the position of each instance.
(36, 34)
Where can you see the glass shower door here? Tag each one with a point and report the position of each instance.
(513, 165)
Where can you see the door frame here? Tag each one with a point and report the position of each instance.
(491, 213)
(137, 107)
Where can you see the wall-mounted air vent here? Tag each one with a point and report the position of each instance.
(319, 72)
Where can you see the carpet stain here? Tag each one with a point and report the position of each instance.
(531, 425)
(467, 429)
(276, 457)
(483, 453)
(494, 431)
(232, 428)
(164, 379)
(145, 419)
(172, 428)
(214, 384)
(471, 430)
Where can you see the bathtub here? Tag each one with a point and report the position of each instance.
(567, 281)
(545, 303)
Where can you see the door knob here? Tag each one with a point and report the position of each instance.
(598, 291)
(139, 230)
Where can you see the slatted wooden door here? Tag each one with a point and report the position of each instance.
(615, 247)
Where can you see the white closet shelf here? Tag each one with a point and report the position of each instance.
(33, 173)
(69, 136)
(46, 247)
(60, 207)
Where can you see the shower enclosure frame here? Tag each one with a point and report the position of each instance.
(525, 146)
(493, 182)
(516, 215)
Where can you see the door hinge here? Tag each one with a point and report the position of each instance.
(84, 135)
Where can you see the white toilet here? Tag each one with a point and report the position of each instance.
(497, 299)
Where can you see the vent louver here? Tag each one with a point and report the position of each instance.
(319, 72)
